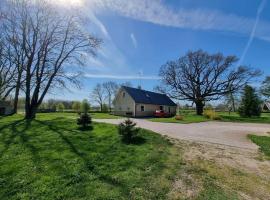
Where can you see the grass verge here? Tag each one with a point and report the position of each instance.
(263, 142)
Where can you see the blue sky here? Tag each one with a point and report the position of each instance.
(141, 35)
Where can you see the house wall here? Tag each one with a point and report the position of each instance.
(149, 110)
(123, 105)
(5, 108)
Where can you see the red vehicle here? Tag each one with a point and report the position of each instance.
(160, 113)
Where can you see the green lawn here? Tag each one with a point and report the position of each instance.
(234, 117)
(263, 142)
(104, 116)
(50, 158)
(191, 117)
(186, 119)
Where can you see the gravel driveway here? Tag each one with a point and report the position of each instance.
(225, 133)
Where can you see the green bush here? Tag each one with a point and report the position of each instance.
(179, 117)
(128, 131)
(211, 114)
(250, 103)
(84, 120)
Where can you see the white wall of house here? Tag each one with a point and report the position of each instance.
(5, 108)
(124, 104)
(149, 109)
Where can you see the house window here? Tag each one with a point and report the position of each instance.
(169, 109)
(124, 94)
(160, 107)
(142, 108)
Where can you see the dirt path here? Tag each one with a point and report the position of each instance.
(224, 133)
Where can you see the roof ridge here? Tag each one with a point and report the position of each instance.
(145, 90)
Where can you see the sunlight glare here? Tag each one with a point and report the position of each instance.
(67, 3)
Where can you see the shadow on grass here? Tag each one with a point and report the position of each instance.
(8, 139)
(88, 128)
(135, 141)
(87, 162)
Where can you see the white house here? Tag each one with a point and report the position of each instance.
(141, 103)
(5, 108)
(266, 106)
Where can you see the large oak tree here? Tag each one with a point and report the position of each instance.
(200, 77)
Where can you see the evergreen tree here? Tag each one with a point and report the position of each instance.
(250, 103)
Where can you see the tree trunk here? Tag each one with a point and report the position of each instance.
(17, 91)
(233, 103)
(199, 107)
(16, 98)
(110, 104)
(30, 113)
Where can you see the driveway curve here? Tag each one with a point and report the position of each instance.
(224, 133)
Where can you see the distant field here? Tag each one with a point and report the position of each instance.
(234, 117)
(189, 116)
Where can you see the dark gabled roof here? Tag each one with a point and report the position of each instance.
(147, 97)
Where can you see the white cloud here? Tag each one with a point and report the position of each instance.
(134, 40)
(200, 19)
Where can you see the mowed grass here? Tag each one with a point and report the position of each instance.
(263, 142)
(190, 116)
(50, 158)
(94, 115)
(104, 116)
(234, 117)
(186, 119)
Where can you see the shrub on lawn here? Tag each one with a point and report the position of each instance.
(85, 119)
(211, 114)
(128, 131)
(179, 117)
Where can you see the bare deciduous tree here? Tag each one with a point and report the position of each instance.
(7, 70)
(110, 90)
(47, 43)
(98, 95)
(200, 77)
